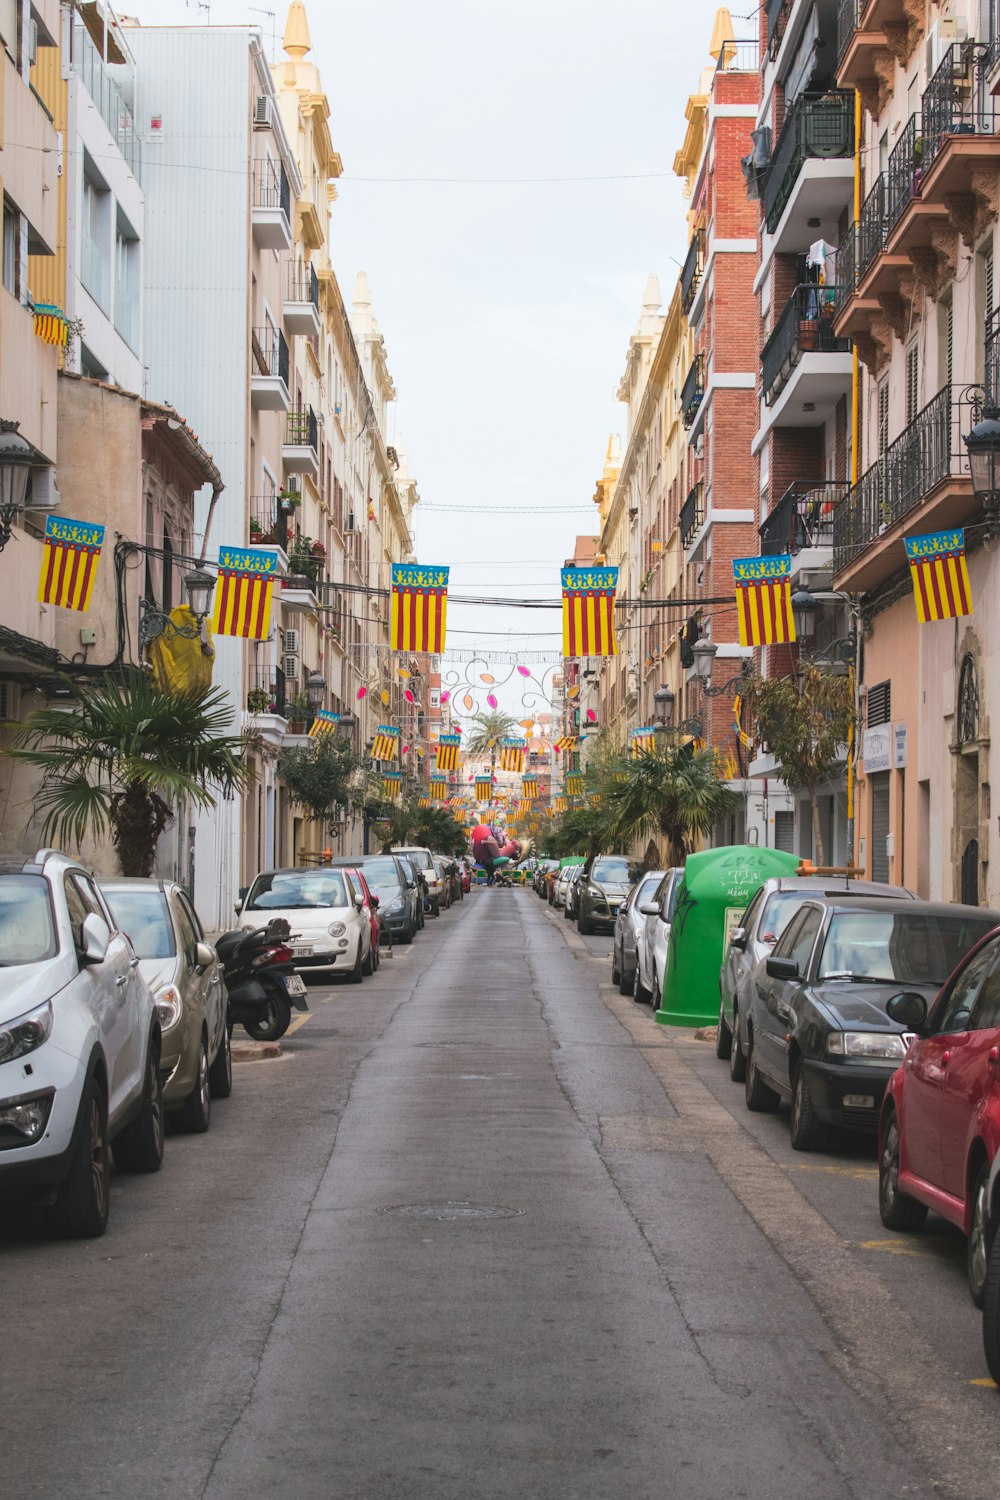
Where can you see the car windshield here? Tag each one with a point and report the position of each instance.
(645, 890)
(27, 931)
(897, 947)
(297, 890)
(611, 871)
(420, 858)
(777, 913)
(382, 875)
(142, 915)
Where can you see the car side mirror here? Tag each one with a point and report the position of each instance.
(237, 907)
(738, 939)
(359, 902)
(782, 968)
(908, 1009)
(96, 939)
(204, 957)
(649, 911)
(374, 903)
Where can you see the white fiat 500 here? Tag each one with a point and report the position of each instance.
(329, 928)
(79, 1045)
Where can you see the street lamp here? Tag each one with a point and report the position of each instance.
(17, 459)
(664, 699)
(316, 690)
(804, 606)
(199, 585)
(704, 652)
(983, 444)
(154, 623)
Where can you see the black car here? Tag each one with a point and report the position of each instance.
(818, 1034)
(394, 881)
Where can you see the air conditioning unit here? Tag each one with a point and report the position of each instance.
(290, 667)
(10, 702)
(262, 112)
(292, 642)
(940, 37)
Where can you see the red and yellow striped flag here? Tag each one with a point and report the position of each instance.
(385, 745)
(574, 784)
(447, 752)
(566, 742)
(242, 604)
(512, 753)
(561, 804)
(529, 787)
(69, 562)
(764, 600)
(50, 324)
(940, 575)
(589, 611)
(418, 608)
(439, 788)
(484, 788)
(641, 741)
(392, 783)
(325, 722)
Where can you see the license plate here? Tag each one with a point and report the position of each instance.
(295, 984)
(302, 950)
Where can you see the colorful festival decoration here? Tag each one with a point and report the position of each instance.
(641, 741)
(492, 848)
(574, 784)
(565, 742)
(447, 752)
(325, 722)
(418, 608)
(764, 600)
(529, 787)
(738, 729)
(70, 556)
(51, 324)
(385, 745)
(940, 575)
(242, 605)
(392, 783)
(588, 611)
(484, 788)
(439, 788)
(561, 804)
(512, 753)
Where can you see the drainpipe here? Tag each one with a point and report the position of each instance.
(216, 492)
(852, 748)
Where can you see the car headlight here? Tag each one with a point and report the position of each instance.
(396, 904)
(336, 929)
(878, 1046)
(169, 1005)
(25, 1033)
(27, 1117)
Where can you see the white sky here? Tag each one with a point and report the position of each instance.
(506, 308)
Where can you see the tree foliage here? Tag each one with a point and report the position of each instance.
(321, 776)
(490, 729)
(402, 820)
(670, 795)
(125, 758)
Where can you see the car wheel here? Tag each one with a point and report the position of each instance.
(980, 1236)
(371, 962)
(616, 968)
(640, 994)
(627, 977)
(897, 1210)
(356, 972)
(436, 907)
(991, 1312)
(406, 937)
(760, 1097)
(84, 1194)
(220, 1074)
(808, 1131)
(273, 1021)
(737, 1062)
(139, 1147)
(723, 1036)
(196, 1111)
(584, 925)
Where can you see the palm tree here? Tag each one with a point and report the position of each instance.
(672, 795)
(126, 758)
(491, 729)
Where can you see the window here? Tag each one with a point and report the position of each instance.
(805, 936)
(95, 248)
(192, 916)
(955, 1010)
(11, 249)
(912, 381)
(967, 716)
(189, 937)
(882, 436)
(749, 917)
(946, 332)
(127, 282)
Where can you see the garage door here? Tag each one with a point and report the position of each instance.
(880, 825)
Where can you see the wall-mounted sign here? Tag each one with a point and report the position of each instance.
(876, 749)
(899, 746)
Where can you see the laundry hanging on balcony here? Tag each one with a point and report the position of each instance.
(641, 741)
(446, 758)
(242, 605)
(764, 600)
(70, 556)
(940, 575)
(589, 611)
(512, 753)
(418, 608)
(385, 745)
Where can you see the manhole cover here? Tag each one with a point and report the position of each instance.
(452, 1212)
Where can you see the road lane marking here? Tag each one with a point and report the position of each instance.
(298, 1022)
(987, 1382)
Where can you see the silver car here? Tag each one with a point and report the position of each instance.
(628, 930)
(651, 952)
(562, 883)
(761, 925)
(185, 976)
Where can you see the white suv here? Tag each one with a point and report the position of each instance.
(423, 860)
(79, 1045)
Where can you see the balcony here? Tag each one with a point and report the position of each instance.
(692, 515)
(693, 390)
(871, 34)
(267, 523)
(741, 55)
(991, 376)
(266, 706)
(778, 13)
(299, 451)
(922, 484)
(801, 525)
(272, 202)
(692, 271)
(805, 329)
(811, 174)
(268, 370)
(301, 307)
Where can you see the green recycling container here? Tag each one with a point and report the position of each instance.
(715, 892)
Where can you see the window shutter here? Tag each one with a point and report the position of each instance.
(879, 704)
(912, 382)
(949, 345)
(883, 418)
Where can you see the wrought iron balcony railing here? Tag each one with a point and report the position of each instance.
(778, 12)
(991, 374)
(805, 326)
(957, 100)
(271, 187)
(693, 390)
(802, 518)
(817, 126)
(268, 522)
(270, 352)
(904, 173)
(304, 288)
(691, 272)
(847, 278)
(847, 24)
(739, 56)
(267, 693)
(301, 430)
(692, 514)
(871, 227)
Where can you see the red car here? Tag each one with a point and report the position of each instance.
(360, 887)
(939, 1131)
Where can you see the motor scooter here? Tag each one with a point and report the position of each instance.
(261, 980)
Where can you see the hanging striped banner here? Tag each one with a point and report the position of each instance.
(738, 729)
(940, 575)
(574, 784)
(566, 742)
(764, 600)
(243, 592)
(561, 804)
(529, 787)
(484, 787)
(418, 608)
(324, 722)
(447, 752)
(50, 324)
(392, 783)
(439, 788)
(512, 753)
(641, 741)
(589, 611)
(385, 745)
(423, 803)
(70, 556)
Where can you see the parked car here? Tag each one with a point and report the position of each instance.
(394, 882)
(423, 861)
(818, 1031)
(651, 950)
(630, 921)
(540, 878)
(185, 976)
(760, 927)
(567, 869)
(571, 896)
(605, 881)
(365, 897)
(443, 869)
(465, 871)
(328, 930)
(79, 1045)
(939, 1131)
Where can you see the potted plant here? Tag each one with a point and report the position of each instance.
(258, 700)
(299, 712)
(289, 500)
(303, 560)
(255, 528)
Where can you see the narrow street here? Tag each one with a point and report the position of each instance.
(485, 1228)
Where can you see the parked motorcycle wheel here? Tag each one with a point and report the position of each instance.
(273, 1021)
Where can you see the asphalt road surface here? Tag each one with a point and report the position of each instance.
(485, 1229)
